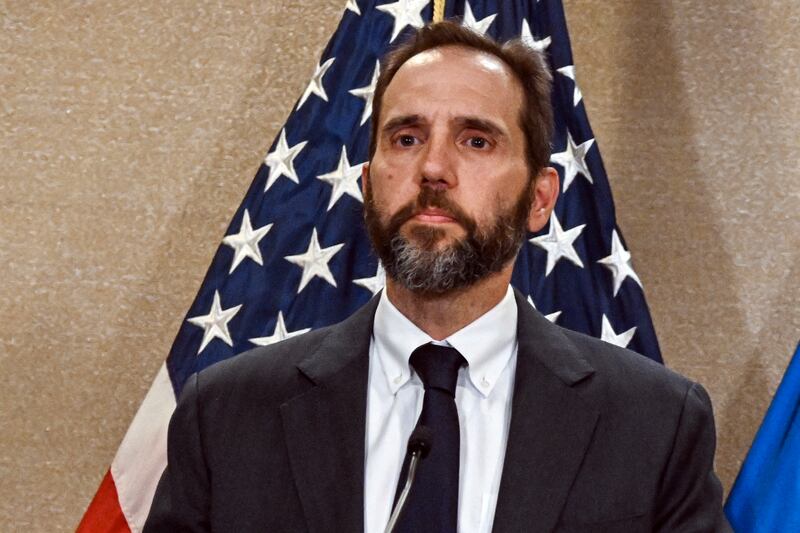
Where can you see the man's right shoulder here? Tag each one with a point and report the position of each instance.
(266, 374)
(276, 373)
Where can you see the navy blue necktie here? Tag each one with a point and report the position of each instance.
(432, 505)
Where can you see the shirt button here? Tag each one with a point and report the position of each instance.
(398, 379)
(485, 382)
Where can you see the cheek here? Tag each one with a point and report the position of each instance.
(391, 184)
(491, 190)
(384, 198)
(386, 171)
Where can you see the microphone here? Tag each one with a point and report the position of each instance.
(419, 446)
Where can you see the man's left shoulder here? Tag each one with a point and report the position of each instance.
(613, 360)
(592, 365)
(625, 381)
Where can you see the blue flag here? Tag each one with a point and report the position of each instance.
(296, 255)
(766, 494)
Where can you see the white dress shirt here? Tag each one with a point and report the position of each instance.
(483, 399)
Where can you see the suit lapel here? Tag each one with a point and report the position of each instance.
(324, 427)
(551, 427)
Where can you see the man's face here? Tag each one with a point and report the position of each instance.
(447, 193)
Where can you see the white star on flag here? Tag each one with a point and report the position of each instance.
(245, 243)
(480, 26)
(315, 261)
(527, 37)
(344, 179)
(279, 334)
(215, 323)
(609, 335)
(559, 243)
(619, 263)
(375, 283)
(352, 5)
(315, 85)
(405, 13)
(552, 317)
(368, 93)
(281, 160)
(573, 159)
(569, 71)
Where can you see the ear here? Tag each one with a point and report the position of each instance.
(364, 179)
(545, 194)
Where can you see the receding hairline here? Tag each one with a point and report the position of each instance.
(460, 49)
(489, 61)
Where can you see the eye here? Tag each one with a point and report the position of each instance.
(406, 140)
(478, 142)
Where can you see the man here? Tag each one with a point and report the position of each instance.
(534, 428)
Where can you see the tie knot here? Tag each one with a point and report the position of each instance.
(437, 366)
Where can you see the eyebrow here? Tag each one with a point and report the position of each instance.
(480, 124)
(401, 122)
(472, 122)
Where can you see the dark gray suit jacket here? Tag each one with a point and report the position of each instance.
(601, 439)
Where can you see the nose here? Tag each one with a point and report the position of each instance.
(438, 165)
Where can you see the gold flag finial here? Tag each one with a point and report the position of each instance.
(438, 10)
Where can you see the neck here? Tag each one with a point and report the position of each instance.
(441, 315)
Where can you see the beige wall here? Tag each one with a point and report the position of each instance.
(129, 133)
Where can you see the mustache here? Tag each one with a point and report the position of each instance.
(429, 197)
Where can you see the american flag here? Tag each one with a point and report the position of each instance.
(296, 256)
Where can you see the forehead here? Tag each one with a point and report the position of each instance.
(471, 58)
(454, 79)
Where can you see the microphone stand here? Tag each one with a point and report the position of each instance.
(419, 446)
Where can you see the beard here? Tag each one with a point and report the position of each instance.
(415, 262)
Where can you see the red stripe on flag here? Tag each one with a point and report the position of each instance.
(104, 514)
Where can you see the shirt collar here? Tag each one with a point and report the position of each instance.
(487, 343)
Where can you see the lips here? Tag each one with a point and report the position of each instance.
(434, 215)
(431, 207)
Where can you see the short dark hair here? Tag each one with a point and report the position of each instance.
(527, 65)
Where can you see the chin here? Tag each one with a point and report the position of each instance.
(430, 237)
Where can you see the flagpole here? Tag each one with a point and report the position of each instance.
(438, 10)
